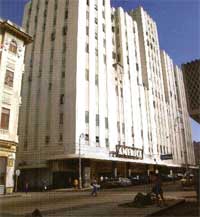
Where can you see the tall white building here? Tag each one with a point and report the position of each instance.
(85, 76)
(12, 46)
(179, 130)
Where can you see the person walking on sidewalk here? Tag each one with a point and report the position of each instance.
(157, 188)
(76, 183)
(94, 188)
(26, 187)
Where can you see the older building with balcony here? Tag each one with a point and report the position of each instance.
(12, 41)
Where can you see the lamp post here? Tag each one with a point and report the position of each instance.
(82, 135)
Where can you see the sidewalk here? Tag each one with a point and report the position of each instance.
(21, 194)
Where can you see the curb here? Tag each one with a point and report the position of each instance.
(70, 190)
(10, 196)
(166, 208)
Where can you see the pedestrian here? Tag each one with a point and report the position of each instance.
(94, 188)
(76, 183)
(101, 179)
(26, 187)
(157, 188)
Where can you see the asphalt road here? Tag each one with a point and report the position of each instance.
(64, 203)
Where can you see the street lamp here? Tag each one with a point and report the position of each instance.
(82, 135)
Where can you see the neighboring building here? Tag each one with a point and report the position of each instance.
(84, 76)
(191, 75)
(12, 41)
(197, 152)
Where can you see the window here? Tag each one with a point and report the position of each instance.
(53, 36)
(137, 67)
(104, 43)
(142, 133)
(88, 3)
(121, 92)
(62, 99)
(116, 90)
(95, 20)
(87, 30)
(97, 120)
(103, 27)
(118, 126)
(87, 48)
(50, 86)
(61, 118)
(113, 29)
(112, 17)
(103, 14)
(5, 116)
(9, 78)
(87, 15)
(123, 128)
(107, 142)
(96, 35)
(118, 57)
(86, 116)
(127, 60)
(96, 51)
(13, 47)
(97, 139)
(87, 74)
(87, 137)
(95, 7)
(66, 14)
(106, 123)
(60, 138)
(103, 2)
(47, 138)
(104, 58)
(113, 55)
(132, 130)
(96, 79)
(63, 74)
(64, 30)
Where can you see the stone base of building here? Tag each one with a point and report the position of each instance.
(62, 173)
(9, 190)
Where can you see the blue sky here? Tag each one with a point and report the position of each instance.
(178, 23)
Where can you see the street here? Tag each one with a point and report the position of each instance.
(76, 203)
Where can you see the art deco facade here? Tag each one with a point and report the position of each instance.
(86, 74)
(12, 41)
(179, 130)
(191, 75)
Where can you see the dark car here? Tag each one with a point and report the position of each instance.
(139, 179)
(116, 182)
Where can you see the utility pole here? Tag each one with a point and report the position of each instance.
(82, 135)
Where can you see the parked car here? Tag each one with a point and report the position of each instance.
(124, 181)
(187, 180)
(116, 182)
(139, 179)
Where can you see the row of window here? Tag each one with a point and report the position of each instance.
(97, 119)
(95, 6)
(47, 139)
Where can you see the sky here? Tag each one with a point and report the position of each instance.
(178, 23)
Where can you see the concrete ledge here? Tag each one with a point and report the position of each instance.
(166, 208)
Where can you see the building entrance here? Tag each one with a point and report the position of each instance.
(63, 179)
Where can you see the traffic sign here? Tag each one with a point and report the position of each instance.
(17, 172)
(166, 157)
